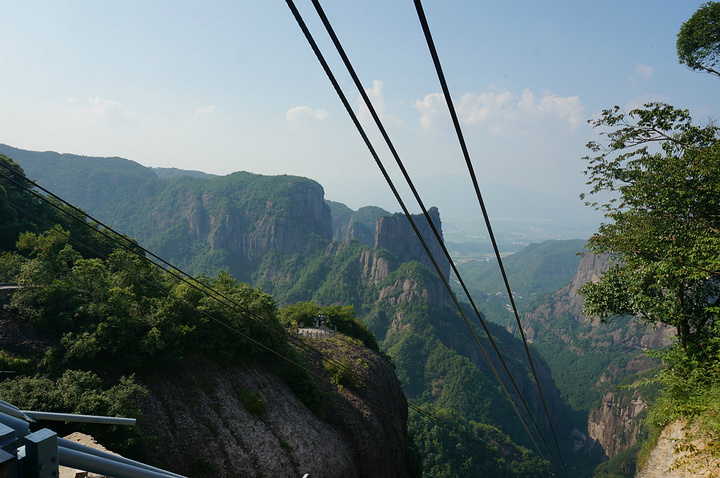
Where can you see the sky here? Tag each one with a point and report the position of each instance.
(224, 86)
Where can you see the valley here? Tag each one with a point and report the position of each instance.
(278, 233)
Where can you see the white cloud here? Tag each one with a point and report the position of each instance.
(488, 106)
(92, 110)
(200, 114)
(429, 107)
(500, 110)
(642, 72)
(566, 109)
(377, 98)
(300, 113)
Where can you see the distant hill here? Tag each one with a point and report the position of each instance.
(532, 272)
(168, 173)
(535, 269)
(198, 222)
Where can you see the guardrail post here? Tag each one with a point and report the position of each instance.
(8, 452)
(8, 439)
(41, 454)
(8, 465)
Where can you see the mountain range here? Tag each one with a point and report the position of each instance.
(279, 233)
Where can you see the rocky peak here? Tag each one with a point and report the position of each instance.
(395, 234)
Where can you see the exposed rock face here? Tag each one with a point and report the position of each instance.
(374, 268)
(613, 425)
(248, 223)
(568, 301)
(395, 234)
(669, 460)
(204, 430)
(358, 225)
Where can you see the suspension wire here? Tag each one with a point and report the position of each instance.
(437, 234)
(409, 216)
(447, 285)
(468, 162)
(278, 331)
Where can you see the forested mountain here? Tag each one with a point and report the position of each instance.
(279, 234)
(217, 388)
(276, 232)
(200, 224)
(533, 272)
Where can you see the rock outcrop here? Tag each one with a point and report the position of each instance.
(568, 301)
(615, 425)
(395, 234)
(244, 217)
(358, 225)
(682, 452)
(203, 429)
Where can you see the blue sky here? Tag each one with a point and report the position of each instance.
(223, 86)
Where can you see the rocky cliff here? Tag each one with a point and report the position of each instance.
(204, 428)
(602, 354)
(567, 301)
(200, 223)
(616, 424)
(359, 225)
(395, 234)
(242, 217)
(683, 450)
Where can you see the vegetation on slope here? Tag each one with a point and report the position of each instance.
(664, 175)
(533, 272)
(327, 274)
(110, 313)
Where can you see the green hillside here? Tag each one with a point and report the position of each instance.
(293, 258)
(532, 272)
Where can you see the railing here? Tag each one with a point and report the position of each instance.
(43, 452)
(315, 332)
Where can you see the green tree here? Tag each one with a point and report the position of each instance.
(664, 175)
(698, 42)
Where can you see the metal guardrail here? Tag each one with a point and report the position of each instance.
(43, 452)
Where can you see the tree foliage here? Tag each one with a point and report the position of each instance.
(698, 42)
(469, 449)
(82, 392)
(664, 172)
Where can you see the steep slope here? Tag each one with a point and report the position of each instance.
(205, 426)
(276, 232)
(211, 420)
(405, 304)
(683, 450)
(591, 359)
(533, 272)
(358, 225)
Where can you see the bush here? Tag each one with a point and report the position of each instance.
(252, 402)
(79, 392)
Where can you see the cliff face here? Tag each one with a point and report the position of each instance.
(567, 301)
(395, 234)
(618, 344)
(245, 223)
(198, 222)
(682, 451)
(358, 225)
(615, 425)
(203, 429)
